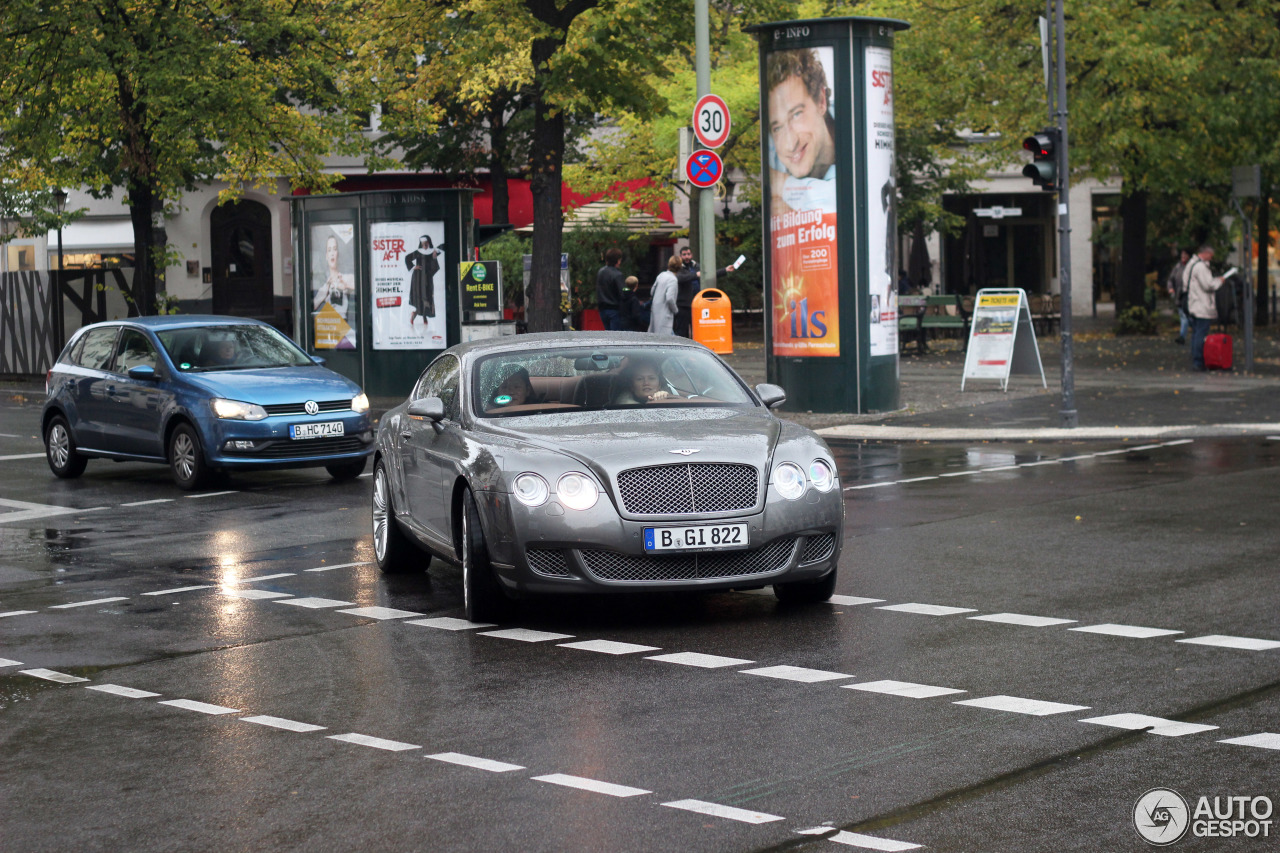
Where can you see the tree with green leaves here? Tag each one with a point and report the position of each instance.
(156, 96)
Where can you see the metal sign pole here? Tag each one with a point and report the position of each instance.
(706, 197)
(1070, 418)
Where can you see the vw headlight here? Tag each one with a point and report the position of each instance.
(577, 491)
(821, 475)
(238, 411)
(360, 402)
(530, 489)
(788, 479)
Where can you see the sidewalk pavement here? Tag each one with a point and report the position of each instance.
(1137, 387)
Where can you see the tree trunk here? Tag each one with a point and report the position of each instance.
(542, 300)
(498, 165)
(1133, 251)
(143, 297)
(1262, 239)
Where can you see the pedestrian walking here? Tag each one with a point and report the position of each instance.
(1200, 284)
(1178, 292)
(662, 304)
(609, 284)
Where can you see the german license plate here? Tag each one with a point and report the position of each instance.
(702, 537)
(322, 430)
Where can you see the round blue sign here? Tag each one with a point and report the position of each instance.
(704, 168)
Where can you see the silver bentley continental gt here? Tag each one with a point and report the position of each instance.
(588, 462)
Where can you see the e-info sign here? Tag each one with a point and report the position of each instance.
(1001, 338)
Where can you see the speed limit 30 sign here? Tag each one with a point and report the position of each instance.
(711, 121)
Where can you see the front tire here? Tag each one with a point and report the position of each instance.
(341, 471)
(60, 451)
(186, 459)
(483, 599)
(806, 592)
(391, 548)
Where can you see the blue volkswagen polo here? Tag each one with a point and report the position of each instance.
(201, 394)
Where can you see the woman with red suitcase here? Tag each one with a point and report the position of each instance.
(1201, 284)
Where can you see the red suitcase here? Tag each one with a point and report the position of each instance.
(1217, 352)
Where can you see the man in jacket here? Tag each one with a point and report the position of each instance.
(1201, 284)
(609, 284)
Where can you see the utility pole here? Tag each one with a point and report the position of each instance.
(706, 197)
(1070, 418)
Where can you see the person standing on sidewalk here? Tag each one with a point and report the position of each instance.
(609, 284)
(1200, 284)
(1178, 292)
(662, 308)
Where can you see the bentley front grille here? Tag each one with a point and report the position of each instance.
(691, 487)
(610, 565)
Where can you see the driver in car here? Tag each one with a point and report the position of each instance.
(642, 382)
(221, 351)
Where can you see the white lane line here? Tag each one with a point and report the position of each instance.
(930, 477)
(17, 613)
(1015, 705)
(375, 742)
(903, 688)
(524, 635)
(478, 763)
(609, 647)
(1264, 740)
(1133, 631)
(1226, 642)
(852, 600)
(796, 673)
(700, 660)
(449, 623)
(726, 812)
(315, 603)
(876, 485)
(178, 589)
(9, 435)
(255, 594)
(870, 842)
(148, 503)
(261, 578)
(126, 692)
(27, 511)
(200, 707)
(594, 785)
(281, 723)
(968, 473)
(1021, 619)
(52, 675)
(6, 662)
(1157, 725)
(339, 566)
(928, 609)
(211, 494)
(22, 455)
(380, 613)
(89, 603)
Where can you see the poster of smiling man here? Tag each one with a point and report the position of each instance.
(802, 210)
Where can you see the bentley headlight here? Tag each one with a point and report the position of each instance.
(821, 475)
(577, 491)
(788, 479)
(238, 411)
(360, 402)
(531, 490)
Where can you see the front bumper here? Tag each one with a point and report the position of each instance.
(267, 443)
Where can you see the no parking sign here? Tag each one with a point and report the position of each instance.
(704, 169)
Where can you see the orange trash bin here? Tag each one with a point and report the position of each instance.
(713, 321)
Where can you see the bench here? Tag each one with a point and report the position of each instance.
(1046, 310)
(918, 314)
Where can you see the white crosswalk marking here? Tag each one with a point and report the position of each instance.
(927, 609)
(903, 688)
(609, 647)
(727, 812)
(200, 707)
(1125, 631)
(1015, 705)
(1157, 725)
(1246, 643)
(1020, 619)
(51, 675)
(796, 673)
(117, 690)
(594, 785)
(485, 764)
(281, 723)
(700, 660)
(375, 742)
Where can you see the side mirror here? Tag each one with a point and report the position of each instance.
(431, 408)
(318, 359)
(771, 395)
(142, 373)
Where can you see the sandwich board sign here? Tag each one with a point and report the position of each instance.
(1002, 339)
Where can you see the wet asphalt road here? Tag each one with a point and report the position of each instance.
(460, 740)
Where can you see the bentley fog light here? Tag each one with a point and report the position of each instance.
(238, 411)
(821, 475)
(577, 491)
(788, 479)
(531, 490)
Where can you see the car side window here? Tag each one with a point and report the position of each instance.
(134, 350)
(98, 349)
(441, 380)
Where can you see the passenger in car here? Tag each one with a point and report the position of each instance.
(641, 382)
(514, 390)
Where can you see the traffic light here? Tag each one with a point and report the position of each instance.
(1043, 168)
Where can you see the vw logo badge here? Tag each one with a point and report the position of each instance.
(311, 407)
(685, 451)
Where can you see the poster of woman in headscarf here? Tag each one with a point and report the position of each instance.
(407, 264)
